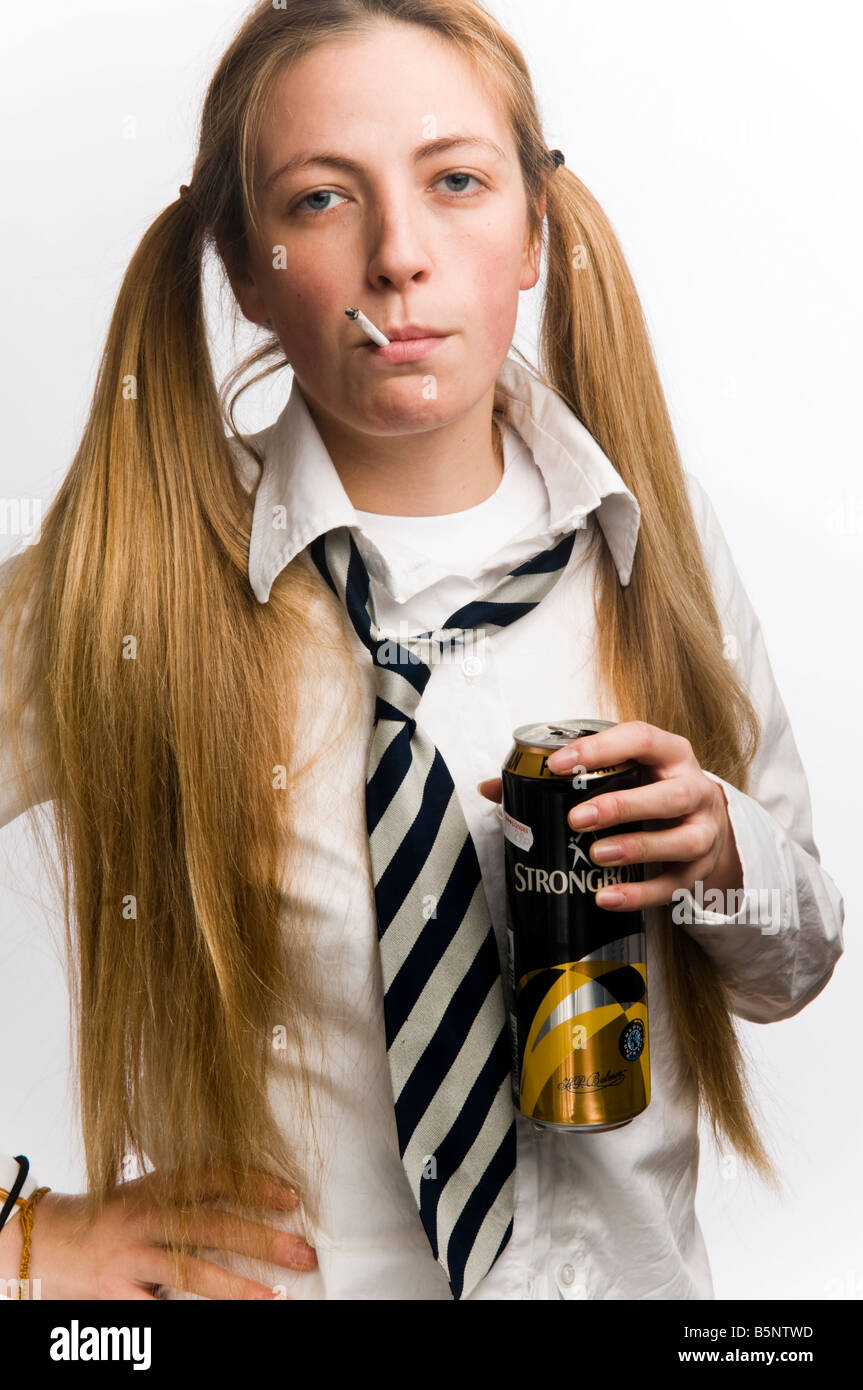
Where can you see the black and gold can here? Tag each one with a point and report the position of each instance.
(577, 972)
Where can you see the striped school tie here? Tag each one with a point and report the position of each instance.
(444, 1006)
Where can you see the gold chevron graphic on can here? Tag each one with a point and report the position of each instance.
(585, 1056)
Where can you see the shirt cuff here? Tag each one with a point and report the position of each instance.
(767, 899)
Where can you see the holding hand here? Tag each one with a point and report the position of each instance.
(699, 842)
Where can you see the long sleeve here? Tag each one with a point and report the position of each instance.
(778, 951)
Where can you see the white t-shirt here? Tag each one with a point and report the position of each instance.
(462, 543)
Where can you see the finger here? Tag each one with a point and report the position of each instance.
(668, 799)
(492, 788)
(653, 892)
(221, 1230)
(633, 739)
(206, 1279)
(685, 844)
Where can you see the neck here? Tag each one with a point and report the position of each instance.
(429, 473)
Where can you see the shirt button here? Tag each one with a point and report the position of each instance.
(566, 1275)
(472, 665)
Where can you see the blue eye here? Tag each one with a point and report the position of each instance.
(318, 193)
(464, 175)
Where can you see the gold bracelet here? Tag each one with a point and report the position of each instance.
(19, 1201)
(26, 1229)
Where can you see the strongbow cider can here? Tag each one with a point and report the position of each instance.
(577, 972)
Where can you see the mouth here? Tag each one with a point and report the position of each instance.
(402, 333)
(408, 344)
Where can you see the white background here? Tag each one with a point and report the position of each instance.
(724, 143)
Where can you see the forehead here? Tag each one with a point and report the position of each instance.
(379, 93)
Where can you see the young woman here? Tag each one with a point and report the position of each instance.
(282, 856)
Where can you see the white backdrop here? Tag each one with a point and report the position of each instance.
(724, 142)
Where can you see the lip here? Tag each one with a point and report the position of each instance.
(409, 344)
(411, 331)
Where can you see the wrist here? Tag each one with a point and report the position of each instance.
(10, 1253)
(727, 875)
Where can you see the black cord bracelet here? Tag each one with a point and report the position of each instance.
(9, 1205)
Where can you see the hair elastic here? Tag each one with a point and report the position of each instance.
(187, 196)
(12, 1199)
(555, 158)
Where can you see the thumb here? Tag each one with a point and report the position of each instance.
(492, 788)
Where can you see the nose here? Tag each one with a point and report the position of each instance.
(399, 252)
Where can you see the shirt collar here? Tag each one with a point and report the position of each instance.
(300, 495)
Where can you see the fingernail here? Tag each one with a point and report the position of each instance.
(607, 850)
(609, 897)
(564, 759)
(583, 815)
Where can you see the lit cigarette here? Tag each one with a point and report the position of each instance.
(368, 327)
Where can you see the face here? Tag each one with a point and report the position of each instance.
(411, 233)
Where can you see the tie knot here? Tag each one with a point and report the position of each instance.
(410, 657)
(420, 649)
(404, 666)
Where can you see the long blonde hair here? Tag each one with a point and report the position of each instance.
(162, 765)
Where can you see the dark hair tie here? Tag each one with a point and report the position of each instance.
(187, 196)
(555, 158)
(23, 1169)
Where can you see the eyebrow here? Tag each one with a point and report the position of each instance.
(426, 150)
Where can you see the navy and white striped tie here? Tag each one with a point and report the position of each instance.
(444, 1006)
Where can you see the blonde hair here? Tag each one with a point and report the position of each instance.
(162, 766)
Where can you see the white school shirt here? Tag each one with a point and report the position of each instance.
(597, 1216)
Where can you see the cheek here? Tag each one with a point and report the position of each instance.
(294, 285)
(303, 312)
(494, 294)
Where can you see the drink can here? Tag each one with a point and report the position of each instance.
(577, 978)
